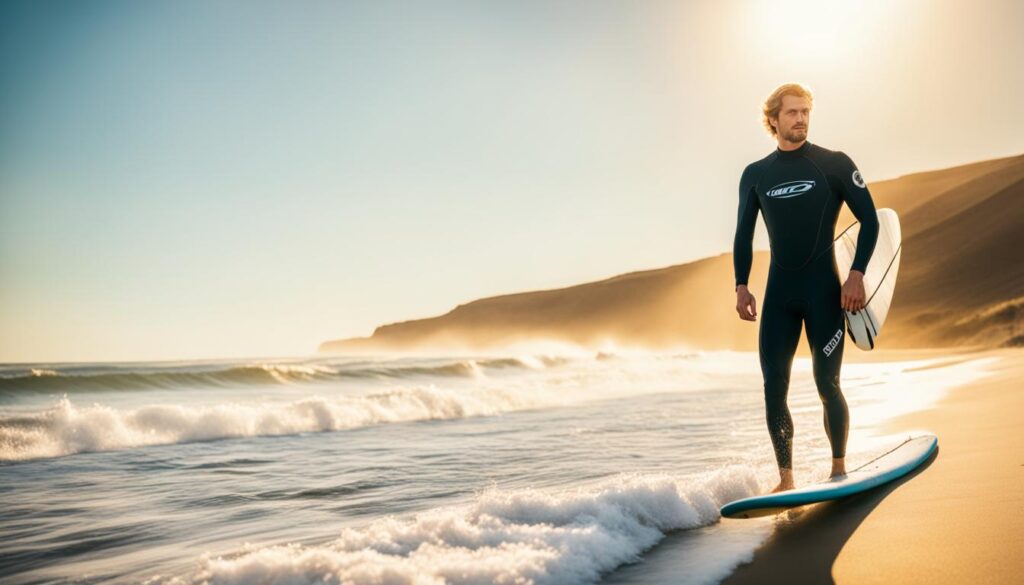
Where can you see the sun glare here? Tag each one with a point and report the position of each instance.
(811, 31)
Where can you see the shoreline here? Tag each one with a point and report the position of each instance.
(952, 520)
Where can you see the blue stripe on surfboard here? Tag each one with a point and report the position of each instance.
(803, 496)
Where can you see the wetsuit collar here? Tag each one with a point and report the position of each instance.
(791, 154)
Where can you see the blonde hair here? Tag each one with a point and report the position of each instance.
(773, 104)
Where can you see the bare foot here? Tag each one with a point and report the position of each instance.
(785, 481)
(838, 468)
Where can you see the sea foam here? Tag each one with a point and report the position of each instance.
(521, 537)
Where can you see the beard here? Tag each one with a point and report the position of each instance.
(795, 135)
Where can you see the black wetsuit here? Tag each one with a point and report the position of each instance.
(800, 193)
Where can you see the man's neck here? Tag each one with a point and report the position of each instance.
(787, 145)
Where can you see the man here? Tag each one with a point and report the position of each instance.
(800, 188)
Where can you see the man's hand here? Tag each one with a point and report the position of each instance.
(853, 297)
(746, 304)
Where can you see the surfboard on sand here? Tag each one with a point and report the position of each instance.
(885, 468)
(879, 277)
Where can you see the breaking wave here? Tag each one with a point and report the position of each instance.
(67, 428)
(113, 378)
(506, 537)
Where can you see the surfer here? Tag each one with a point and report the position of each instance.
(800, 188)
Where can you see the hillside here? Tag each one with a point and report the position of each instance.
(961, 282)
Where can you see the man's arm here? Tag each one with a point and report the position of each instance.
(746, 219)
(856, 195)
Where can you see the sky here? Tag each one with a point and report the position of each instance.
(206, 179)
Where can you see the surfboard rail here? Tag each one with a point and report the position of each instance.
(865, 325)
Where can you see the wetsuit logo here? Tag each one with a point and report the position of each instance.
(834, 342)
(857, 179)
(790, 189)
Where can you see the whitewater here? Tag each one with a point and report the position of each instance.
(517, 467)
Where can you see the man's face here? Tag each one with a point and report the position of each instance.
(794, 118)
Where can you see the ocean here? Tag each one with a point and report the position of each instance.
(545, 466)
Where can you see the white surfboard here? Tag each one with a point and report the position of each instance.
(879, 279)
(885, 468)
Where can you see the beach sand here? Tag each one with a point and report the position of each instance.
(957, 519)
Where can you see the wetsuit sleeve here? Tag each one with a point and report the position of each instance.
(746, 219)
(856, 195)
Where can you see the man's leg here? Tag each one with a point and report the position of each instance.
(777, 342)
(826, 336)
